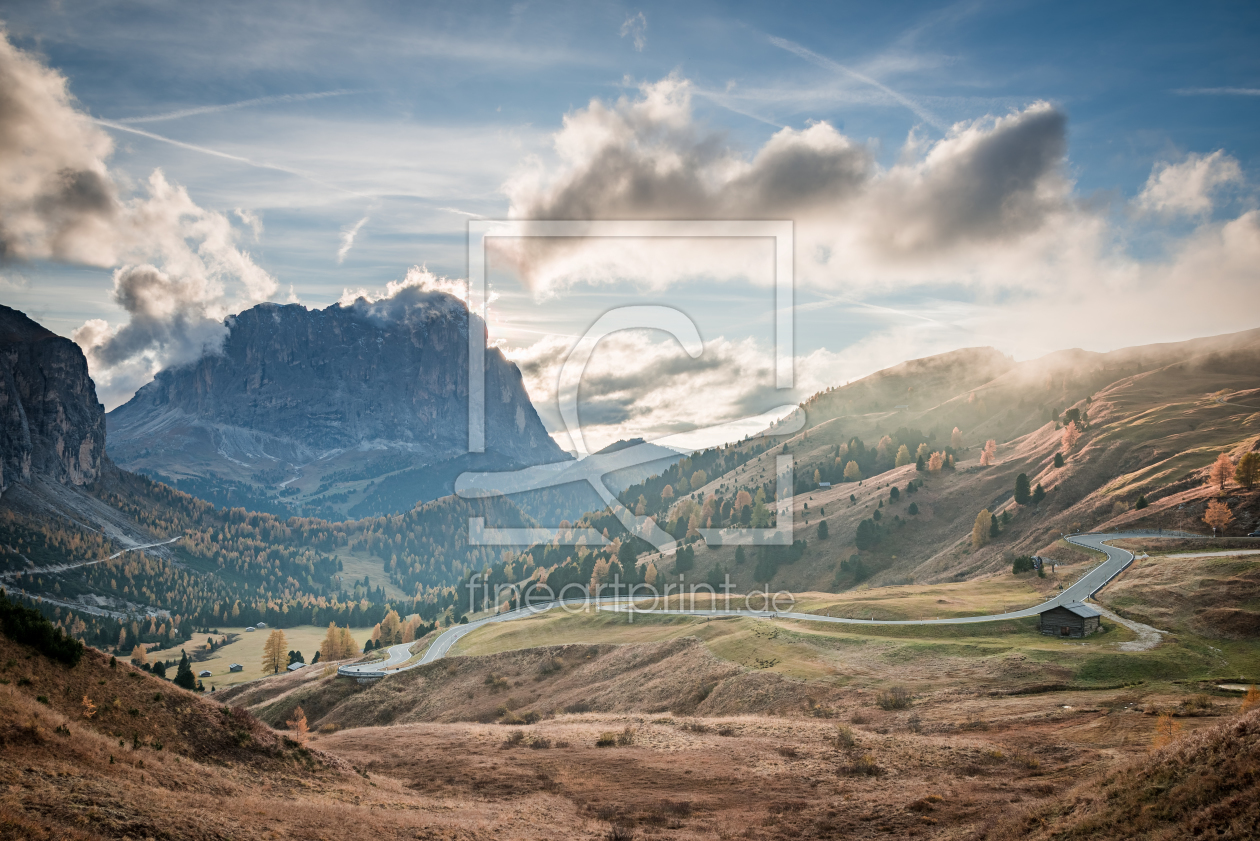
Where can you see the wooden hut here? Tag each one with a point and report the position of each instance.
(1071, 620)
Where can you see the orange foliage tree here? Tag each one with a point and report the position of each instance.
(298, 725)
(936, 462)
(1167, 729)
(988, 453)
(1222, 471)
(1218, 515)
(1251, 700)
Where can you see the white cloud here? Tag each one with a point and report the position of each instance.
(635, 26)
(1187, 187)
(59, 201)
(990, 192)
(417, 277)
(348, 234)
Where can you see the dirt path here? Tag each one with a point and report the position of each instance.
(1148, 637)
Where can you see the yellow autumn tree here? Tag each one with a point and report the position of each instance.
(988, 453)
(138, 655)
(903, 456)
(1167, 729)
(1221, 472)
(936, 462)
(391, 628)
(334, 646)
(298, 725)
(698, 480)
(923, 451)
(1218, 516)
(1070, 436)
(980, 530)
(649, 577)
(345, 640)
(1248, 471)
(852, 472)
(1250, 701)
(275, 652)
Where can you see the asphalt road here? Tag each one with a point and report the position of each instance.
(1087, 585)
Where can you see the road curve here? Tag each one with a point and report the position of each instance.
(1090, 583)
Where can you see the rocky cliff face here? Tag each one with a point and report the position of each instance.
(51, 424)
(360, 391)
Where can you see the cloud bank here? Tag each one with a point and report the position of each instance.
(985, 219)
(59, 201)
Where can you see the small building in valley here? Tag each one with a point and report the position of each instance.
(1072, 619)
(236, 667)
(293, 667)
(204, 673)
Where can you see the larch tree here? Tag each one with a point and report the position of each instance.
(138, 655)
(275, 652)
(298, 725)
(667, 493)
(1070, 436)
(955, 439)
(1221, 472)
(1248, 471)
(923, 451)
(852, 473)
(903, 456)
(980, 530)
(936, 462)
(391, 628)
(1218, 516)
(698, 480)
(988, 453)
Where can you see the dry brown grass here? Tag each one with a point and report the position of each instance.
(1203, 785)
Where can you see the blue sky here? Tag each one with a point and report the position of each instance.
(309, 118)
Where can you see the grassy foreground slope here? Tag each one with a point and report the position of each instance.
(1206, 785)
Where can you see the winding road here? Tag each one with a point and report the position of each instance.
(1090, 583)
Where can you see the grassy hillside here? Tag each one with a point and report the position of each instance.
(1203, 785)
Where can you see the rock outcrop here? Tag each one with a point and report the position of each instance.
(51, 424)
(301, 392)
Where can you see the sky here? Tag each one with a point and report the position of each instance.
(1027, 175)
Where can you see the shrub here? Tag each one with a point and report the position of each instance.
(1022, 564)
(514, 739)
(843, 739)
(607, 739)
(626, 737)
(914, 723)
(786, 751)
(896, 698)
(863, 766)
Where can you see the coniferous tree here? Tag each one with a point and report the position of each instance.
(1023, 492)
(1039, 493)
(822, 530)
(1141, 503)
(184, 674)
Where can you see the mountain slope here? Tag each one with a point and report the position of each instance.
(50, 421)
(310, 409)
